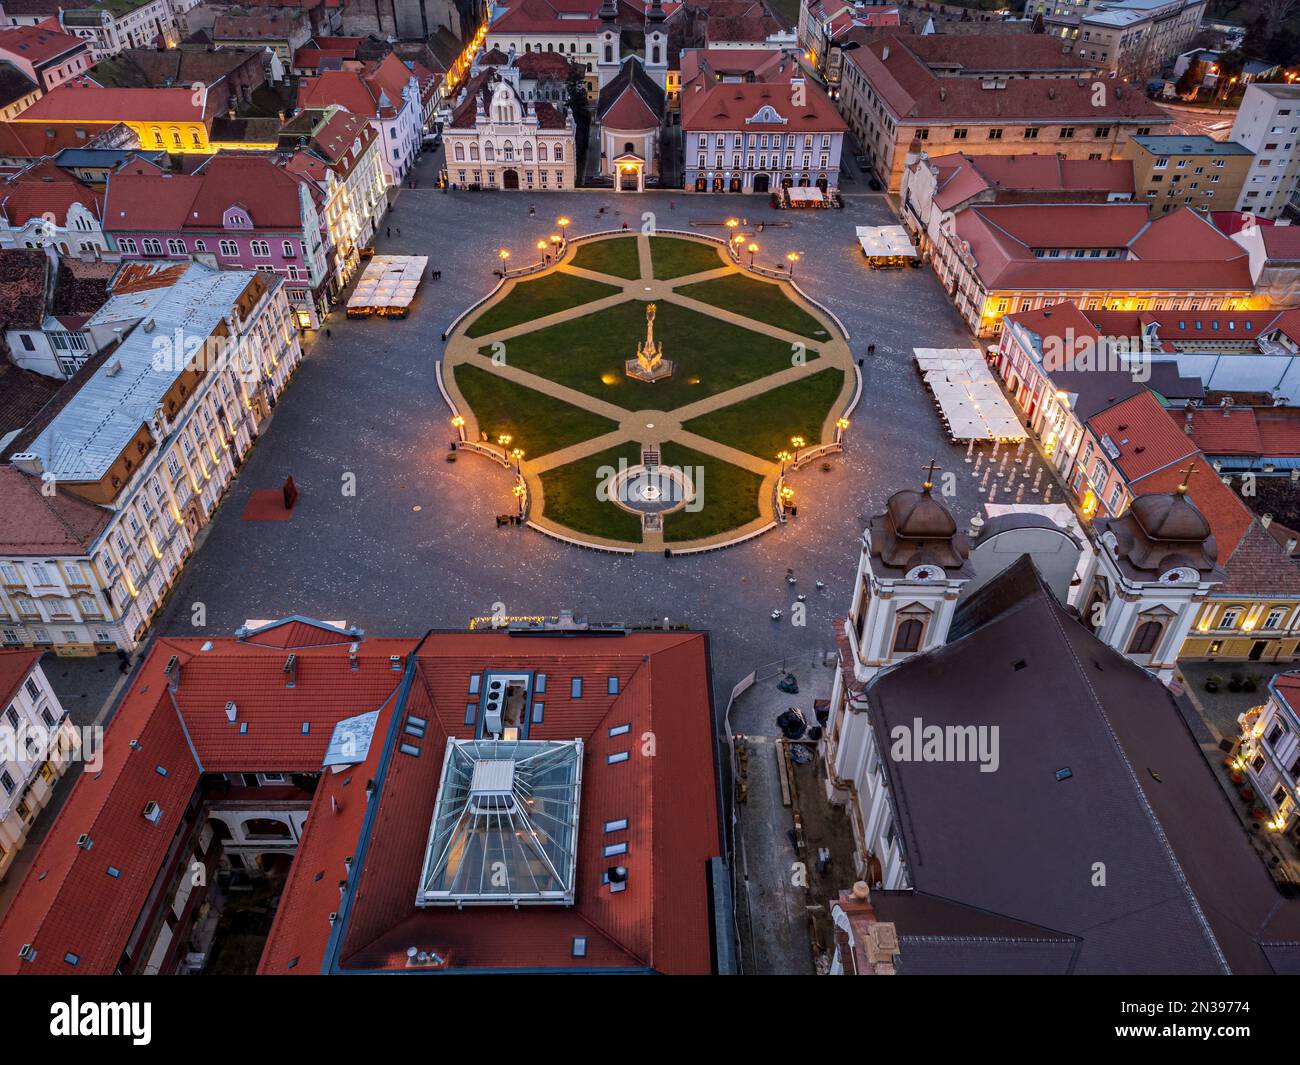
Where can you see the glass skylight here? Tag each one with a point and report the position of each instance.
(505, 825)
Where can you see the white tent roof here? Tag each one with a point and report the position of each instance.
(389, 281)
(804, 194)
(970, 398)
(885, 240)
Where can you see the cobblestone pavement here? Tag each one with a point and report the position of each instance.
(365, 403)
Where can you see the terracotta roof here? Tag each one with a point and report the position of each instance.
(542, 65)
(373, 93)
(1223, 432)
(1282, 243)
(1260, 566)
(631, 100)
(1144, 436)
(962, 176)
(38, 44)
(35, 524)
(143, 198)
(729, 105)
(24, 283)
(81, 101)
(660, 922)
(22, 395)
(1187, 326)
(30, 140)
(1180, 250)
(46, 191)
(278, 25)
(902, 70)
(547, 16)
(1228, 516)
(14, 669)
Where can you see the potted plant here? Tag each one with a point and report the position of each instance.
(1247, 794)
(1237, 777)
(1258, 813)
(1213, 682)
(1234, 682)
(1250, 683)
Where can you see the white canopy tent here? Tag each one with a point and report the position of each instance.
(971, 401)
(804, 196)
(388, 285)
(880, 242)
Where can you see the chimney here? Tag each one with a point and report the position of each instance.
(28, 463)
(173, 673)
(291, 671)
(1266, 520)
(1290, 545)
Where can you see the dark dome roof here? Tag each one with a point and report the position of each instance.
(919, 516)
(1171, 516)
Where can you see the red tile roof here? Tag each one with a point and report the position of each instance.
(14, 668)
(1177, 251)
(1259, 566)
(30, 140)
(46, 191)
(80, 100)
(68, 902)
(37, 44)
(1222, 432)
(962, 176)
(35, 524)
(373, 93)
(141, 197)
(1146, 439)
(1228, 516)
(548, 16)
(729, 106)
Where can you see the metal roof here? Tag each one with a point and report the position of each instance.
(83, 440)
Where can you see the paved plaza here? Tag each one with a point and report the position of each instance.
(417, 545)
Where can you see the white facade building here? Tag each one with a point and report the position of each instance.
(37, 744)
(1268, 123)
(148, 449)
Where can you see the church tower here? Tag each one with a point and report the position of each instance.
(1155, 566)
(656, 45)
(610, 59)
(911, 571)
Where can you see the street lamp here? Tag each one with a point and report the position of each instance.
(519, 492)
(792, 258)
(504, 440)
(732, 223)
(541, 246)
(787, 495)
(797, 442)
(503, 254)
(563, 221)
(457, 422)
(517, 454)
(784, 457)
(752, 249)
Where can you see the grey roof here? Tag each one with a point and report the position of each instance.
(82, 442)
(1185, 892)
(1099, 390)
(1192, 144)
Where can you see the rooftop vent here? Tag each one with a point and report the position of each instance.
(291, 671)
(173, 672)
(113, 368)
(395, 663)
(152, 812)
(1064, 774)
(85, 842)
(232, 711)
(27, 952)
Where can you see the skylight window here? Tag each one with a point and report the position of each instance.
(575, 688)
(618, 756)
(539, 685)
(579, 946)
(616, 826)
(505, 824)
(620, 730)
(613, 686)
(615, 848)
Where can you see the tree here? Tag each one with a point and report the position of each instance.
(1189, 82)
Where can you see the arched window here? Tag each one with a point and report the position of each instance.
(908, 636)
(266, 828)
(628, 149)
(609, 54)
(541, 152)
(508, 151)
(559, 153)
(473, 153)
(528, 151)
(489, 152)
(460, 152)
(1145, 638)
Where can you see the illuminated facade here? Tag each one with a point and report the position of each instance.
(141, 456)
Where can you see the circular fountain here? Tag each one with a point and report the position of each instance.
(645, 490)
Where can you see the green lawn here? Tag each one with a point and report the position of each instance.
(570, 496)
(763, 425)
(536, 299)
(588, 353)
(538, 423)
(677, 257)
(761, 300)
(728, 493)
(616, 256)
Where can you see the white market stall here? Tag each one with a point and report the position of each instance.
(886, 246)
(970, 401)
(388, 286)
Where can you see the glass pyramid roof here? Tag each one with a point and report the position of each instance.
(505, 825)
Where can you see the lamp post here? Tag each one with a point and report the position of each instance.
(503, 254)
(737, 242)
(517, 454)
(519, 492)
(541, 246)
(751, 249)
(783, 457)
(732, 223)
(792, 258)
(841, 426)
(504, 441)
(797, 442)
(458, 423)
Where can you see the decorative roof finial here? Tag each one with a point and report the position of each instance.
(1187, 476)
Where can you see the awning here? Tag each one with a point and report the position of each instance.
(972, 402)
(880, 242)
(804, 194)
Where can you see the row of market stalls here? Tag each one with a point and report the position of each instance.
(388, 286)
(967, 395)
(888, 247)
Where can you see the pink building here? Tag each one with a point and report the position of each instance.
(234, 212)
(45, 53)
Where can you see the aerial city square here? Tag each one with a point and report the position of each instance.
(686, 487)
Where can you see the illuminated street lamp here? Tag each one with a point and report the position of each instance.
(792, 258)
(752, 249)
(519, 492)
(797, 442)
(563, 221)
(787, 495)
(517, 454)
(783, 457)
(504, 440)
(457, 422)
(732, 223)
(841, 424)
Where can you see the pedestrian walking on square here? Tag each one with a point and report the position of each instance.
(871, 349)
(388, 231)
(399, 231)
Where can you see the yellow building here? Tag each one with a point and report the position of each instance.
(1193, 171)
(173, 120)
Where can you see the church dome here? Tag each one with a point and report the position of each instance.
(1171, 516)
(919, 516)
